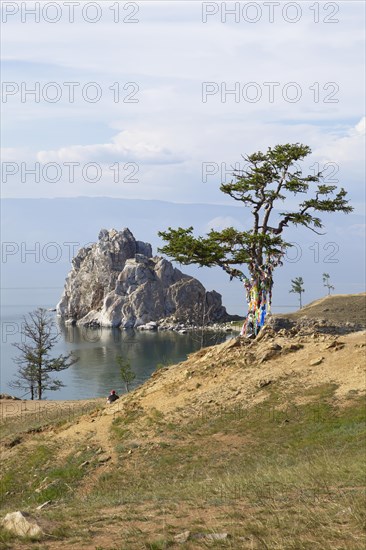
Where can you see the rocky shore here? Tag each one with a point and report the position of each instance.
(174, 325)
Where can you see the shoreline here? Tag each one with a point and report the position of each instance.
(159, 326)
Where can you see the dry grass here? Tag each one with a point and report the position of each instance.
(271, 453)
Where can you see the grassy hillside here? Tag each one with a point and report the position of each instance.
(338, 308)
(261, 441)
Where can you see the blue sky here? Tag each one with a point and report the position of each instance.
(165, 127)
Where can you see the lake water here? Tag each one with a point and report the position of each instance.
(96, 372)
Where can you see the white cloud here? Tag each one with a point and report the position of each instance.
(170, 132)
(348, 148)
(221, 222)
(14, 154)
(127, 146)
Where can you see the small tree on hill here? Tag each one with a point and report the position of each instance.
(326, 282)
(201, 317)
(298, 287)
(127, 374)
(268, 180)
(34, 361)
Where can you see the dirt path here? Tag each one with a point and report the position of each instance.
(93, 429)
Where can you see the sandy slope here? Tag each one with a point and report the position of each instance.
(236, 374)
(176, 386)
(20, 408)
(339, 308)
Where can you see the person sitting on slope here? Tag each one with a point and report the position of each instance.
(112, 397)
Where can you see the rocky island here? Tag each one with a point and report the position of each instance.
(117, 282)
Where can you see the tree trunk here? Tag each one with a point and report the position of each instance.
(259, 298)
(39, 383)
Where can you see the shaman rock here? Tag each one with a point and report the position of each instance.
(116, 282)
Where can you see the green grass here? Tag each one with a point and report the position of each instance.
(6, 538)
(35, 477)
(300, 470)
(280, 476)
(121, 425)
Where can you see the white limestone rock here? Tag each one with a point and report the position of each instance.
(117, 283)
(21, 524)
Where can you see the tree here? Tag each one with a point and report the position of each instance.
(200, 317)
(163, 363)
(298, 287)
(267, 181)
(326, 282)
(127, 374)
(34, 361)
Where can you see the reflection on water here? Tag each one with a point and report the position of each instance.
(96, 372)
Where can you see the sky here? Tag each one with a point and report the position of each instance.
(160, 100)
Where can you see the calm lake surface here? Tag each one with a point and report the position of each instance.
(96, 372)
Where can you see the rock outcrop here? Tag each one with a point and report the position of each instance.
(306, 325)
(117, 282)
(22, 525)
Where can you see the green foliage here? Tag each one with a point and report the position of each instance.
(37, 476)
(160, 366)
(127, 374)
(326, 282)
(228, 248)
(269, 178)
(164, 363)
(35, 365)
(298, 287)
